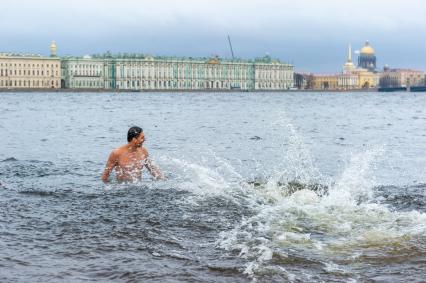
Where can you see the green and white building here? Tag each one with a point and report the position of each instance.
(82, 72)
(141, 72)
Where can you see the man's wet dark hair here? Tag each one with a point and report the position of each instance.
(133, 132)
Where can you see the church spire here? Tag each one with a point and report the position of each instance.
(349, 67)
(350, 53)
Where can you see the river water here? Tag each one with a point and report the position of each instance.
(261, 187)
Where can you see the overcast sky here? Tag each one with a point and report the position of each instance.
(311, 34)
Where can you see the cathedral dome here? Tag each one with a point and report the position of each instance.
(367, 49)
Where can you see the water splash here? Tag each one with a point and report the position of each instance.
(322, 222)
(357, 180)
(296, 212)
(201, 179)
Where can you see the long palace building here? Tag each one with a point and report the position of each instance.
(141, 72)
(30, 71)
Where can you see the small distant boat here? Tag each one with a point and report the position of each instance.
(418, 88)
(391, 89)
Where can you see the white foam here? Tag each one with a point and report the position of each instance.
(347, 217)
(317, 224)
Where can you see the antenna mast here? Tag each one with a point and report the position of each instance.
(230, 46)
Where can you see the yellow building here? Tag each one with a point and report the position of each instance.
(348, 81)
(367, 79)
(325, 81)
(30, 71)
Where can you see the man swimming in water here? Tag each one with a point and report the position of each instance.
(129, 159)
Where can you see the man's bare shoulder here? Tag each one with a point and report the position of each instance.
(119, 150)
(145, 151)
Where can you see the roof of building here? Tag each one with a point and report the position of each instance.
(404, 70)
(326, 75)
(211, 60)
(13, 55)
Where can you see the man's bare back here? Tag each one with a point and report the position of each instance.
(128, 160)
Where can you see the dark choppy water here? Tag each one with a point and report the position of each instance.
(273, 187)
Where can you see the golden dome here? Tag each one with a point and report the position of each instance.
(367, 49)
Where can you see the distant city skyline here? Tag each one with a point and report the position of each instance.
(312, 35)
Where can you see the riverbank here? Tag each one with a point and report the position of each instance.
(67, 90)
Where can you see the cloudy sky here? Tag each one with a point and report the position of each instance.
(311, 34)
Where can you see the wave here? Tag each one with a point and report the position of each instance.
(9, 159)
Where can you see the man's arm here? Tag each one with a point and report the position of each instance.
(112, 161)
(154, 170)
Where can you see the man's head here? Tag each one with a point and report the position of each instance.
(135, 135)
